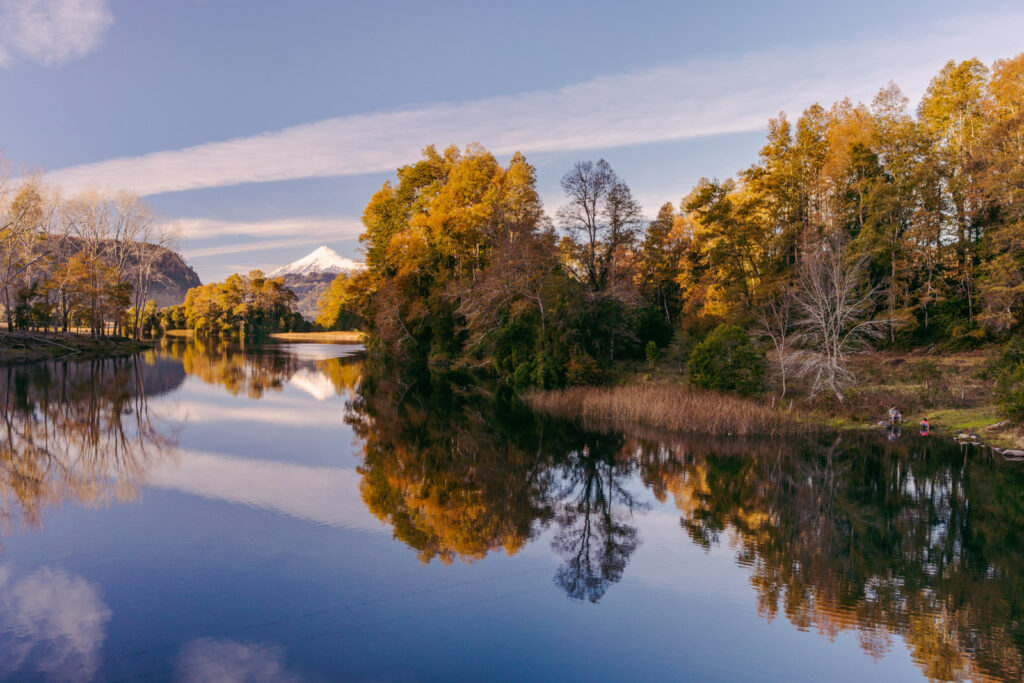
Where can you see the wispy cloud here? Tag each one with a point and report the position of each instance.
(259, 245)
(51, 32)
(315, 227)
(262, 235)
(696, 98)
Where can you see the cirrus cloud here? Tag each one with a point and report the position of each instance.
(697, 98)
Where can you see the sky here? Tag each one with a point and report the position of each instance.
(261, 128)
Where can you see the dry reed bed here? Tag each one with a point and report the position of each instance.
(339, 337)
(670, 407)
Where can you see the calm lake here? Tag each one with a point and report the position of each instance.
(283, 513)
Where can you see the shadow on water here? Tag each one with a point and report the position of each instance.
(917, 538)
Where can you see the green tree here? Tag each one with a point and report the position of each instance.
(726, 361)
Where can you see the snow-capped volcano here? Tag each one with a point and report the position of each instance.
(322, 260)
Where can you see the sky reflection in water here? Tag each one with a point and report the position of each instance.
(282, 514)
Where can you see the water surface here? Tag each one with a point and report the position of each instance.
(283, 513)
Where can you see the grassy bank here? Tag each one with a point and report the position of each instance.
(950, 389)
(20, 347)
(672, 407)
(342, 337)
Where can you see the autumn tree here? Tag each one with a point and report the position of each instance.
(242, 305)
(336, 306)
(1001, 177)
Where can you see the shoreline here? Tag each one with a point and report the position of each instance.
(337, 337)
(21, 347)
(680, 410)
(671, 407)
(950, 389)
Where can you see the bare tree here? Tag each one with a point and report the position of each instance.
(601, 217)
(144, 239)
(833, 302)
(776, 322)
(519, 278)
(27, 238)
(602, 220)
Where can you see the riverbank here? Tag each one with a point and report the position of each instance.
(950, 389)
(20, 347)
(671, 407)
(339, 337)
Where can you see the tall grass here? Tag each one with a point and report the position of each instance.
(671, 407)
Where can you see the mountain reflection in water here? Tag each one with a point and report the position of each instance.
(913, 542)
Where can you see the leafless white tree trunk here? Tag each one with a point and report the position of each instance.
(833, 302)
(776, 322)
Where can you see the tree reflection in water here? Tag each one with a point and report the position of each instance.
(915, 539)
(460, 475)
(78, 432)
(594, 534)
(918, 539)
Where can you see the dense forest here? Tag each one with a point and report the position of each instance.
(858, 226)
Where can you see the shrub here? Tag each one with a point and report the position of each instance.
(651, 352)
(582, 369)
(1008, 371)
(727, 361)
(1010, 392)
(522, 377)
(932, 380)
(546, 372)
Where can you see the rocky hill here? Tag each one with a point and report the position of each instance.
(176, 278)
(308, 289)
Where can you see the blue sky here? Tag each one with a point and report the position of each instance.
(262, 127)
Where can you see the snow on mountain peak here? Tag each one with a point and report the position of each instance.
(322, 260)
